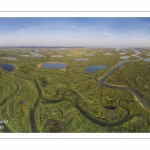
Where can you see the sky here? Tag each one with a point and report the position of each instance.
(72, 32)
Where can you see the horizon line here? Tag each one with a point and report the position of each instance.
(74, 46)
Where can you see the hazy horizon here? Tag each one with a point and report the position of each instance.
(75, 32)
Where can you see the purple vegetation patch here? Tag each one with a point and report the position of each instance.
(54, 125)
(22, 102)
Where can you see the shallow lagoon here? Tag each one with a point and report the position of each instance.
(81, 59)
(108, 54)
(36, 55)
(124, 57)
(54, 65)
(89, 55)
(25, 55)
(69, 55)
(122, 53)
(93, 69)
(147, 59)
(8, 67)
(8, 58)
(57, 56)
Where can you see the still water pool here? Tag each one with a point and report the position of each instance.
(54, 65)
(8, 67)
(93, 69)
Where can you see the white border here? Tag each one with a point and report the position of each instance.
(74, 135)
(74, 5)
(75, 14)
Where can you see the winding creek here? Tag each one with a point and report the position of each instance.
(137, 96)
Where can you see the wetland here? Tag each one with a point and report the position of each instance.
(57, 93)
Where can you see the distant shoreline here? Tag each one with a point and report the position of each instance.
(40, 65)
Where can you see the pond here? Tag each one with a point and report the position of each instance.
(122, 53)
(69, 54)
(36, 55)
(8, 58)
(8, 67)
(89, 55)
(25, 55)
(147, 59)
(124, 57)
(57, 56)
(54, 65)
(81, 59)
(93, 69)
(108, 54)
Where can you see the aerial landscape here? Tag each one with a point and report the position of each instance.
(75, 75)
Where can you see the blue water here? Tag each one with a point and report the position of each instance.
(147, 59)
(54, 65)
(124, 57)
(8, 58)
(8, 67)
(93, 69)
(81, 59)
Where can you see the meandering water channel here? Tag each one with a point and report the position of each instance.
(137, 96)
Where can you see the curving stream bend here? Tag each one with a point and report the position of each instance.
(137, 96)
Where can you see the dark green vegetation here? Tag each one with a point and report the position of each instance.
(50, 100)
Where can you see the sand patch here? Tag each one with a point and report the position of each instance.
(39, 65)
